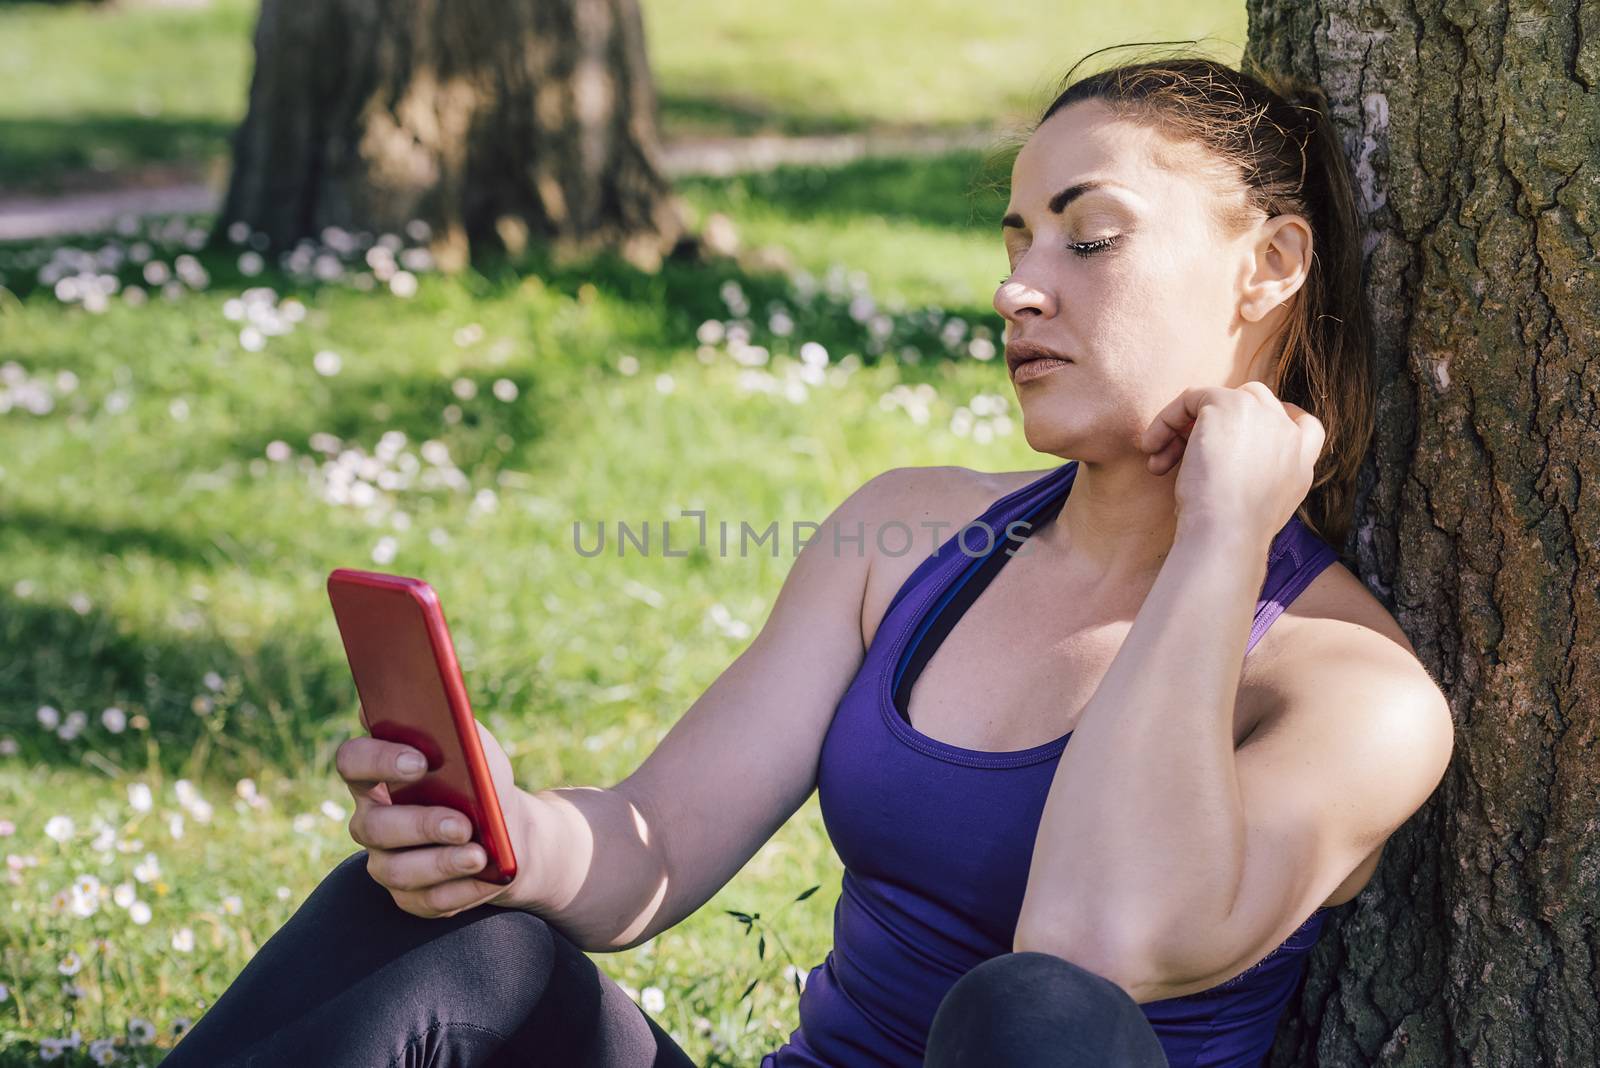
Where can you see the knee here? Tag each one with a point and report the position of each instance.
(351, 869)
(349, 881)
(1016, 978)
(483, 932)
(1018, 1006)
(501, 961)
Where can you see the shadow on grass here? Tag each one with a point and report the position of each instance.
(44, 156)
(291, 687)
(92, 536)
(964, 190)
(488, 433)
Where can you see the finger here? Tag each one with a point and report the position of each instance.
(424, 866)
(1313, 435)
(1177, 418)
(402, 826)
(446, 899)
(1168, 457)
(1302, 418)
(1159, 435)
(377, 795)
(366, 762)
(1263, 392)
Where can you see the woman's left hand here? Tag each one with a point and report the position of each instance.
(1246, 457)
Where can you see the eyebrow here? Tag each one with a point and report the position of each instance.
(1059, 202)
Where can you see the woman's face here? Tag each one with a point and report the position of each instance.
(1130, 279)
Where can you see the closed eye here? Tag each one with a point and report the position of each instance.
(1089, 248)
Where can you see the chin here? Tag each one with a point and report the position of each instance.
(1052, 425)
(1048, 432)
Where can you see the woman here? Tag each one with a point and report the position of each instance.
(1184, 320)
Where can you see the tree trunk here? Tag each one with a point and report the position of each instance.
(1474, 132)
(496, 122)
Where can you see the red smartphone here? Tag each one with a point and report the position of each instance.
(411, 691)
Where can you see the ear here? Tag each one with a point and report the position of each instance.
(1282, 262)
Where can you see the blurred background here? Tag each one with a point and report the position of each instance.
(244, 341)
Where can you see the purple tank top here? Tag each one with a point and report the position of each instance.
(936, 840)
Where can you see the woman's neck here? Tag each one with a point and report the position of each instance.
(1117, 524)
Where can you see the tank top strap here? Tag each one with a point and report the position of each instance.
(1298, 555)
(989, 526)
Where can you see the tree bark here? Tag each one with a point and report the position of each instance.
(1473, 129)
(496, 122)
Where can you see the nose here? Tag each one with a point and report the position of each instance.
(1019, 297)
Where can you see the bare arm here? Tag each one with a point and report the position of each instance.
(620, 865)
(1168, 861)
(1141, 825)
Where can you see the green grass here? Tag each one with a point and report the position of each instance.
(847, 64)
(167, 567)
(91, 89)
(87, 90)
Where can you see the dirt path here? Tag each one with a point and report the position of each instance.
(33, 217)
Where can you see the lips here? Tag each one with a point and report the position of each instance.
(1020, 352)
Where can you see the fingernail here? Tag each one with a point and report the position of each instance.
(454, 828)
(411, 763)
(467, 859)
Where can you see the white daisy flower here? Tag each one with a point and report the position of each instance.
(83, 904)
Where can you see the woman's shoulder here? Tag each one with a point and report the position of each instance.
(911, 511)
(944, 490)
(1335, 613)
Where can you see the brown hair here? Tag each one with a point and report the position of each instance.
(1272, 134)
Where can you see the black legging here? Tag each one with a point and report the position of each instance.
(353, 980)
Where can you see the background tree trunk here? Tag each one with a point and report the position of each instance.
(1474, 132)
(494, 121)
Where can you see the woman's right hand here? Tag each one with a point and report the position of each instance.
(421, 853)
